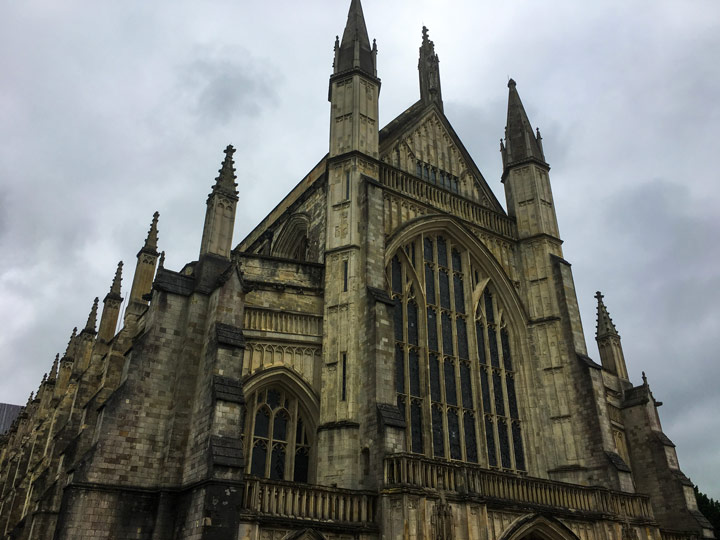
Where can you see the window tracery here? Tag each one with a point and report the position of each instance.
(454, 377)
(279, 444)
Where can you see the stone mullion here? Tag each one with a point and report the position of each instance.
(291, 440)
(250, 434)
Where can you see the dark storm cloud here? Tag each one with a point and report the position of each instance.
(109, 112)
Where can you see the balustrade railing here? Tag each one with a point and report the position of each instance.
(444, 200)
(416, 472)
(313, 503)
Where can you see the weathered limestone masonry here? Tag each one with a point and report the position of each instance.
(389, 354)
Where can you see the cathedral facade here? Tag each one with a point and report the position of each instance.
(390, 354)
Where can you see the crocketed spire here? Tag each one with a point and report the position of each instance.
(429, 69)
(70, 349)
(225, 181)
(53, 370)
(92, 318)
(605, 326)
(151, 241)
(521, 142)
(117, 280)
(354, 51)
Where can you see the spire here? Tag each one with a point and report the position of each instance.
(152, 237)
(53, 370)
(521, 143)
(115, 287)
(605, 326)
(354, 50)
(225, 181)
(92, 318)
(429, 69)
(69, 349)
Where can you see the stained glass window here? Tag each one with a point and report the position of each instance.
(279, 447)
(453, 370)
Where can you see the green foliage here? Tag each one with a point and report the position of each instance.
(710, 509)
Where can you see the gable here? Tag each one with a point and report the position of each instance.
(422, 142)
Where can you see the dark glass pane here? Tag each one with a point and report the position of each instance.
(396, 275)
(456, 260)
(454, 434)
(428, 249)
(257, 462)
(262, 422)
(504, 444)
(435, 378)
(438, 433)
(450, 386)
(480, 331)
(485, 390)
(505, 342)
(512, 402)
(489, 312)
(398, 318)
(433, 178)
(277, 463)
(418, 169)
(517, 443)
(300, 436)
(459, 294)
(416, 423)
(401, 405)
(492, 339)
(465, 386)
(399, 369)
(414, 373)
(280, 427)
(470, 440)
(432, 329)
(412, 315)
(447, 334)
(490, 437)
(273, 398)
(429, 284)
(498, 393)
(442, 252)
(426, 172)
(302, 462)
(444, 289)
(462, 338)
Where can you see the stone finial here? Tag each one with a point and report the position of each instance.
(644, 379)
(161, 264)
(152, 237)
(225, 181)
(511, 83)
(429, 68)
(54, 369)
(354, 49)
(115, 287)
(92, 318)
(605, 326)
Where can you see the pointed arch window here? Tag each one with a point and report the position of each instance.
(277, 438)
(454, 378)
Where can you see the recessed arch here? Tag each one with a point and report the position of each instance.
(292, 241)
(285, 377)
(538, 527)
(305, 534)
(456, 231)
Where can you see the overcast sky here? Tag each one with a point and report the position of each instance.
(110, 111)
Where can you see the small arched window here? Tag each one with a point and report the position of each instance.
(277, 436)
(452, 346)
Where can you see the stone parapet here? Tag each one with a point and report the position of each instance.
(410, 471)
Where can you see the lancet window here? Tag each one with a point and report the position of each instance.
(454, 377)
(277, 436)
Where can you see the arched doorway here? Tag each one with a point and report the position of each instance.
(536, 527)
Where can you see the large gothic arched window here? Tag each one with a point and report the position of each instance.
(277, 436)
(454, 377)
